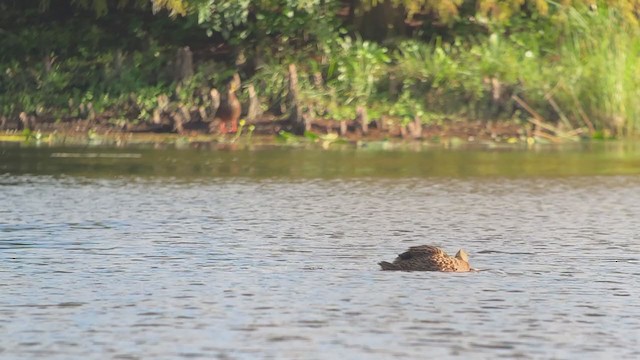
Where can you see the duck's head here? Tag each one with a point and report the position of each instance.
(462, 255)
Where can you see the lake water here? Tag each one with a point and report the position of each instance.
(136, 253)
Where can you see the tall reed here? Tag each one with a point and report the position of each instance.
(602, 70)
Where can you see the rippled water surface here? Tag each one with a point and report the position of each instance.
(246, 267)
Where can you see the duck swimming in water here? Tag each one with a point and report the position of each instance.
(428, 258)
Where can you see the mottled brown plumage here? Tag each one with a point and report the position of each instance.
(428, 258)
(229, 111)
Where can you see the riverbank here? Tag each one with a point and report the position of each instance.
(273, 132)
(537, 78)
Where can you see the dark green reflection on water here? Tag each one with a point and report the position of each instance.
(577, 159)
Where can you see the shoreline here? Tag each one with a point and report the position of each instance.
(323, 133)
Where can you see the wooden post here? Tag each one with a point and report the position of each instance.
(24, 118)
(82, 111)
(254, 111)
(186, 114)
(184, 64)
(91, 112)
(415, 128)
(317, 80)
(394, 84)
(118, 62)
(178, 121)
(363, 119)
(381, 123)
(214, 94)
(418, 122)
(403, 131)
(309, 117)
(295, 117)
(48, 63)
(156, 118)
(202, 111)
(163, 103)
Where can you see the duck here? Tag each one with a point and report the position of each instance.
(428, 258)
(229, 111)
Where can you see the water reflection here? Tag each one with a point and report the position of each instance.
(346, 162)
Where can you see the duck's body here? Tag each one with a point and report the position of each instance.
(428, 258)
(229, 111)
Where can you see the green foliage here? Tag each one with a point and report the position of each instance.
(287, 137)
(601, 71)
(311, 136)
(354, 68)
(406, 108)
(224, 16)
(101, 7)
(576, 66)
(285, 22)
(502, 12)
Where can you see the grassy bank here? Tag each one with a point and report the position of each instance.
(554, 79)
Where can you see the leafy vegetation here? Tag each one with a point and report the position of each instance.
(566, 67)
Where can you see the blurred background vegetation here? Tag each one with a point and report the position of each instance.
(569, 65)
